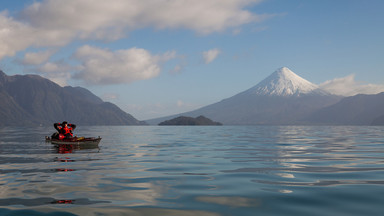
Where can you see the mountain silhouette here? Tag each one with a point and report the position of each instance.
(355, 110)
(185, 120)
(34, 100)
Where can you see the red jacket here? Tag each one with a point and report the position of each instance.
(67, 131)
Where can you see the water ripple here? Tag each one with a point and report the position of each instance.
(255, 170)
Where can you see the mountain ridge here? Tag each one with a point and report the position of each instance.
(283, 98)
(361, 109)
(185, 120)
(34, 100)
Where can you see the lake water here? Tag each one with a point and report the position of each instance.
(204, 171)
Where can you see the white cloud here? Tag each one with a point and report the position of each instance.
(36, 58)
(110, 96)
(347, 86)
(177, 69)
(12, 36)
(58, 72)
(97, 16)
(102, 66)
(180, 103)
(50, 24)
(56, 23)
(17, 36)
(210, 55)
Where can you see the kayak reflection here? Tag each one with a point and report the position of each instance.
(63, 202)
(66, 159)
(70, 148)
(64, 170)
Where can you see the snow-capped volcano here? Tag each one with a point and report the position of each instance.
(283, 82)
(283, 98)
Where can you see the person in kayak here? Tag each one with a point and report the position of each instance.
(65, 130)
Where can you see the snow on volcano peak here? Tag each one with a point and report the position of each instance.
(283, 82)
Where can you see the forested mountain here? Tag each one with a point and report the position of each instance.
(184, 120)
(355, 110)
(34, 100)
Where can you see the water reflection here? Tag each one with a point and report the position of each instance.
(142, 211)
(230, 201)
(70, 148)
(64, 149)
(63, 201)
(323, 183)
(65, 159)
(64, 170)
(195, 171)
(285, 175)
(328, 156)
(46, 201)
(338, 161)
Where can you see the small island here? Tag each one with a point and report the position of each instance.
(183, 120)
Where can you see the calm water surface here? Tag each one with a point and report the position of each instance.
(204, 171)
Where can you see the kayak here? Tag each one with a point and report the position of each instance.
(74, 141)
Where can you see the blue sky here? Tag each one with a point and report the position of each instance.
(155, 58)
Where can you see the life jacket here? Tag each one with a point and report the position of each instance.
(66, 131)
